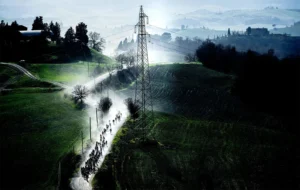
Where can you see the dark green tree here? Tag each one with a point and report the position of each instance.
(56, 32)
(179, 40)
(14, 25)
(46, 27)
(166, 37)
(69, 36)
(38, 23)
(81, 33)
(248, 31)
(104, 104)
(228, 32)
(51, 25)
(120, 46)
(2, 25)
(55, 29)
(125, 44)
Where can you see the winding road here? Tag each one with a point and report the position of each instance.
(24, 71)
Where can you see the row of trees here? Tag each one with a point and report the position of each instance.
(94, 39)
(262, 81)
(126, 45)
(81, 36)
(165, 38)
(52, 30)
(165, 42)
(127, 58)
(75, 44)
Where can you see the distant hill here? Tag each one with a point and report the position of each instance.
(293, 30)
(202, 33)
(237, 19)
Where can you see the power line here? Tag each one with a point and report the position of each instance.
(184, 53)
(118, 32)
(173, 45)
(168, 30)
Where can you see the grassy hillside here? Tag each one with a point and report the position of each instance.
(200, 154)
(100, 58)
(37, 129)
(194, 91)
(10, 78)
(68, 72)
(210, 140)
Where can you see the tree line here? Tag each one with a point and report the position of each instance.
(262, 81)
(75, 45)
(165, 42)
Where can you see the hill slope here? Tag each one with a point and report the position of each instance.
(210, 140)
(237, 19)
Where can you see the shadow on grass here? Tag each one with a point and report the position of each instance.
(69, 164)
(151, 147)
(80, 105)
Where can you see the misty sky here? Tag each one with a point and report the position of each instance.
(65, 8)
(106, 13)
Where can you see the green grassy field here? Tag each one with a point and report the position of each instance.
(37, 129)
(11, 78)
(209, 139)
(194, 91)
(201, 154)
(67, 72)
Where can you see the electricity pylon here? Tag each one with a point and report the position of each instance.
(143, 96)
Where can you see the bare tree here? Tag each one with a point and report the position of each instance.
(96, 42)
(80, 93)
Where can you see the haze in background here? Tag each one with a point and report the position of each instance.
(115, 19)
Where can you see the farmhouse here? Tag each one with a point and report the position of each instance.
(259, 31)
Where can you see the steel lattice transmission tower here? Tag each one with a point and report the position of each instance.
(143, 83)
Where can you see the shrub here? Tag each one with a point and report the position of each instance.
(105, 104)
(132, 107)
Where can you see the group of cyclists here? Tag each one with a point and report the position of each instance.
(92, 163)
